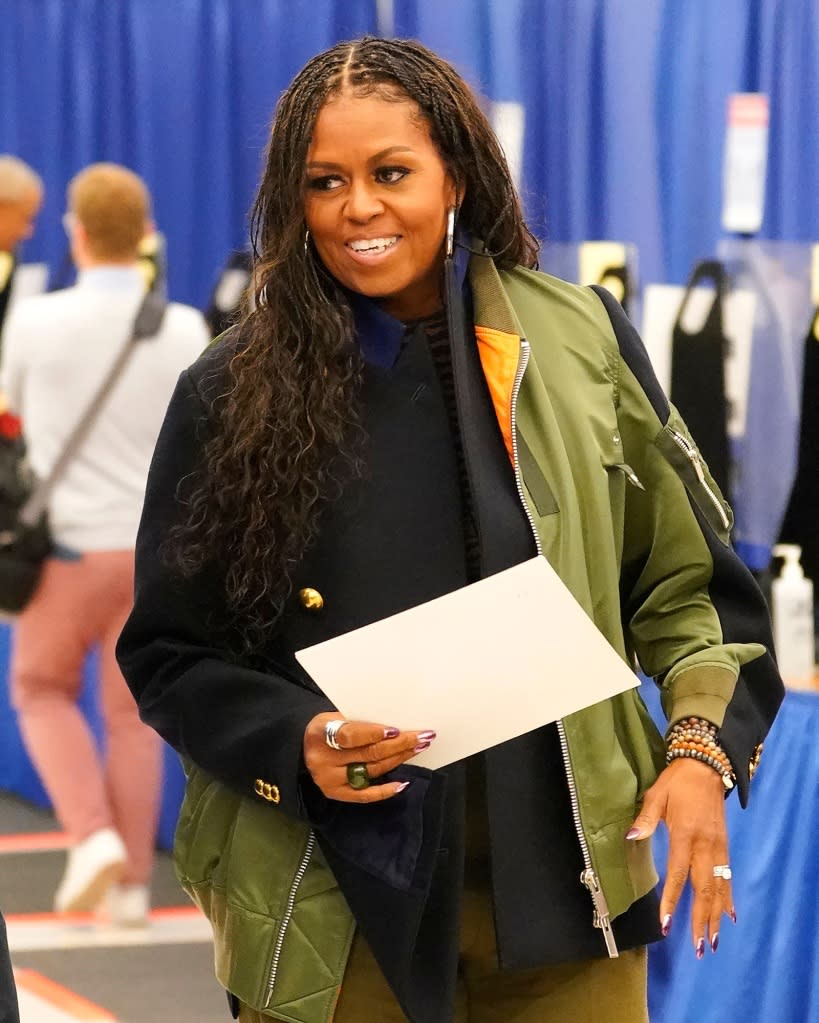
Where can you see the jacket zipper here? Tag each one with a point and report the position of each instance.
(288, 915)
(588, 877)
(694, 458)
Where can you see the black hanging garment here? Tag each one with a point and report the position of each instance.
(698, 375)
(801, 524)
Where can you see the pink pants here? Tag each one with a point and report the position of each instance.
(77, 605)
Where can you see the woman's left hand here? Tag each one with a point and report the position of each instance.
(690, 797)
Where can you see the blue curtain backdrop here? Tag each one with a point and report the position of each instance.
(624, 103)
(182, 92)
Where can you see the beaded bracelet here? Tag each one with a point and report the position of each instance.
(697, 739)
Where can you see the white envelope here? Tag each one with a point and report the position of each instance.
(479, 666)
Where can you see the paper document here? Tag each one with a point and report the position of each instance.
(479, 666)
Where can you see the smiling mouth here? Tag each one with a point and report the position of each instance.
(373, 246)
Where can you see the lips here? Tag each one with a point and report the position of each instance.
(371, 250)
(373, 246)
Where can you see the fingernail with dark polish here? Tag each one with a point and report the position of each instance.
(421, 747)
(665, 927)
(715, 942)
(633, 833)
(427, 736)
(733, 916)
(701, 948)
(391, 733)
(402, 786)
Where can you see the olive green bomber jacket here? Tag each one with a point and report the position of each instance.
(620, 505)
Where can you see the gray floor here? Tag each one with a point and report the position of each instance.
(138, 984)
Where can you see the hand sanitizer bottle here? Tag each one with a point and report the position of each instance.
(792, 611)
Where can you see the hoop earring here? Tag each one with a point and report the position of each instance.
(450, 231)
(306, 240)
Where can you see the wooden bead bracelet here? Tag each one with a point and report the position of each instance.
(697, 739)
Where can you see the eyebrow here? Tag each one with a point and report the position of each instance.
(383, 154)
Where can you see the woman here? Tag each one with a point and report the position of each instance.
(410, 407)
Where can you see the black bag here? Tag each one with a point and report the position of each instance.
(25, 539)
(23, 548)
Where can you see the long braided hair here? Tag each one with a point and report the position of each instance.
(287, 429)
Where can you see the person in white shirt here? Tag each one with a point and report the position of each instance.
(57, 349)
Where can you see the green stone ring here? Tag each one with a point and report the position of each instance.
(357, 776)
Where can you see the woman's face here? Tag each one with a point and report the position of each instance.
(376, 202)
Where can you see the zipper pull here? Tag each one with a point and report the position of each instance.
(696, 461)
(601, 910)
(698, 469)
(691, 453)
(630, 475)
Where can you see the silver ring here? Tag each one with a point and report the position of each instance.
(723, 871)
(331, 731)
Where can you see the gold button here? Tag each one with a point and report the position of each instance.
(311, 599)
(267, 791)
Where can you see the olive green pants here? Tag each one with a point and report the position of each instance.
(590, 991)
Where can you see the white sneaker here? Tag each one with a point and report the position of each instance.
(93, 866)
(126, 905)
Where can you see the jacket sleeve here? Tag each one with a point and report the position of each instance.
(241, 725)
(696, 619)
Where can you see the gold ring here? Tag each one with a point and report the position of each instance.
(357, 776)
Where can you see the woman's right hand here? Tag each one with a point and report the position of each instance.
(380, 748)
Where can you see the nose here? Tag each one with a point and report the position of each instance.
(362, 202)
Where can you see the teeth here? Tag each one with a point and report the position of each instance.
(373, 244)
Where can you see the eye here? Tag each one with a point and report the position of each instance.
(391, 175)
(326, 183)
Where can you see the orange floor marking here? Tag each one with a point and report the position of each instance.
(162, 913)
(61, 998)
(37, 841)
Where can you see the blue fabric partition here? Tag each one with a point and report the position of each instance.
(181, 92)
(767, 967)
(16, 771)
(590, 159)
(624, 106)
(625, 110)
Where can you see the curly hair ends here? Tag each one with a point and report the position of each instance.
(288, 433)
